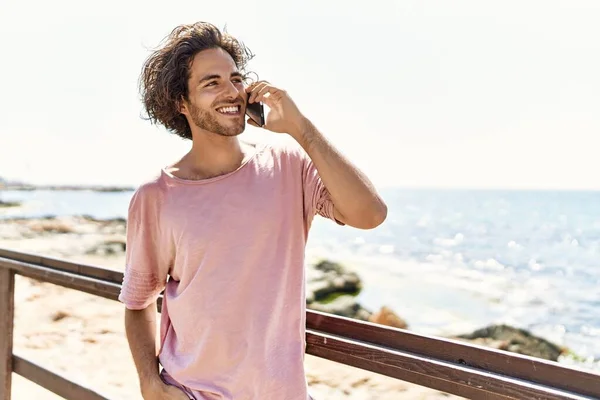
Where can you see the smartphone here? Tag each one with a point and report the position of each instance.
(256, 112)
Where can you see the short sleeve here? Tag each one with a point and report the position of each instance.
(146, 263)
(317, 199)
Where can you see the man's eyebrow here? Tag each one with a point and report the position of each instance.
(216, 76)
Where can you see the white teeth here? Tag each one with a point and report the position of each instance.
(229, 110)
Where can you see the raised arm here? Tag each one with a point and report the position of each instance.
(356, 202)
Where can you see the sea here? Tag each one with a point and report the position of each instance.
(447, 261)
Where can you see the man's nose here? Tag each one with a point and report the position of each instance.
(231, 91)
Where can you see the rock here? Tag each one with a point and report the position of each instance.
(344, 305)
(59, 315)
(51, 226)
(504, 337)
(386, 316)
(109, 246)
(6, 204)
(331, 289)
(329, 278)
(107, 221)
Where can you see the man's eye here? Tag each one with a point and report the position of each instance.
(237, 80)
(211, 83)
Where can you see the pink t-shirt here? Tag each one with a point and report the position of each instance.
(233, 319)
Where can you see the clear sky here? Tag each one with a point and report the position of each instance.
(482, 94)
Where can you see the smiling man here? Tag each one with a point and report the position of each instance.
(223, 230)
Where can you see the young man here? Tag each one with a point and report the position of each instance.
(227, 225)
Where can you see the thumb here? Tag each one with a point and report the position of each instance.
(251, 122)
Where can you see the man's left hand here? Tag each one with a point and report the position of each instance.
(284, 116)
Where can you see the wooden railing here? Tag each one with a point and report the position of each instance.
(451, 366)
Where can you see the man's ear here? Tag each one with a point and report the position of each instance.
(182, 106)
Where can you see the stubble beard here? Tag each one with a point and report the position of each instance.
(207, 120)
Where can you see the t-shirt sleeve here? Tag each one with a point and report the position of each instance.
(317, 199)
(146, 264)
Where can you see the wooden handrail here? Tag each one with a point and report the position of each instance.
(455, 367)
(500, 362)
(53, 381)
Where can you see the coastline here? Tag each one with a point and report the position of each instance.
(22, 186)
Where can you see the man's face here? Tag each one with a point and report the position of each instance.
(217, 99)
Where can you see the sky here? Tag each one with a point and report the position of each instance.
(452, 94)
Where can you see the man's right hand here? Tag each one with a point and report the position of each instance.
(162, 391)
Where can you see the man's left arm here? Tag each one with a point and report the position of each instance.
(355, 200)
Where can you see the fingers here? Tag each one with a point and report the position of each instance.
(254, 89)
(260, 91)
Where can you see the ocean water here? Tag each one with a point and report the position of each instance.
(449, 261)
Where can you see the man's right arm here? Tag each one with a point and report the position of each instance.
(147, 261)
(140, 328)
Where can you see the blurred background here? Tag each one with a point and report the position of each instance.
(477, 121)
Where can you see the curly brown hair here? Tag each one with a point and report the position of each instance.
(165, 73)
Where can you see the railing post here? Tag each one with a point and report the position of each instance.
(7, 309)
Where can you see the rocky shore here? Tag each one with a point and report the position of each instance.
(50, 318)
(6, 204)
(19, 186)
(93, 188)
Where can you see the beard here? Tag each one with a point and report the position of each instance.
(209, 121)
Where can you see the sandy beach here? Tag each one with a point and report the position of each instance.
(82, 336)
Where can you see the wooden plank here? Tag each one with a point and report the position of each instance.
(47, 267)
(7, 310)
(463, 381)
(516, 365)
(93, 286)
(77, 281)
(53, 382)
(92, 271)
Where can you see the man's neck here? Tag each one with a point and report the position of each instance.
(211, 156)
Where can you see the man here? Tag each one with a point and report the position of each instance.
(227, 224)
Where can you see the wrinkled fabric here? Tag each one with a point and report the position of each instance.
(229, 254)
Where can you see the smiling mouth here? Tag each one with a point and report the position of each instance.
(229, 110)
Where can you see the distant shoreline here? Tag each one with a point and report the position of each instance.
(94, 188)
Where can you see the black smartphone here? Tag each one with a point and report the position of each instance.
(256, 112)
